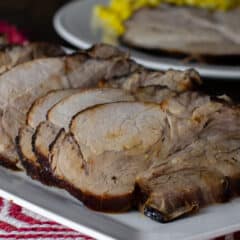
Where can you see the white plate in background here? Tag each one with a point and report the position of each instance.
(73, 24)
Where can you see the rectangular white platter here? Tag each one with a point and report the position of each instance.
(59, 206)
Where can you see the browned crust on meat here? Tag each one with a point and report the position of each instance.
(45, 176)
(112, 54)
(156, 215)
(34, 140)
(8, 164)
(31, 170)
(89, 54)
(234, 186)
(34, 171)
(116, 204)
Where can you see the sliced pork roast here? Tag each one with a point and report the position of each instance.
(206, 171)
(41, 106)
(101, 169)
(23, 84)
(197, 31)
(12, 55)
(19, 87)
(37, 114)
(27, 156)
(141, 142)
(46, 132)
(124, 144)
(61, 114)
(172, 195)
(169, 159)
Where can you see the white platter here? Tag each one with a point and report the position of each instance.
(73, 23)
(59, 206)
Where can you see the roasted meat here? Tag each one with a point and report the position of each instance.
(150, 88)
(169, 159)
(197, 31)
(23, 84)
(118, 136)
(12, 55)
(59, 116)
(37, 114)
(41, 106)
(131, 141)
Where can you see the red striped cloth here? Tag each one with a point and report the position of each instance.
(19, 223)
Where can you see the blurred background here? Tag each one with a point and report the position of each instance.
(32, 17)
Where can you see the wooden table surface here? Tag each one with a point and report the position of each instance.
(35, 18)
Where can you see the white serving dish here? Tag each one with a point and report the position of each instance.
(59, 206)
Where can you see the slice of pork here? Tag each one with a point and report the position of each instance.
(115, 142)
(46, 132)
(169, 196)
(110, 146)
(37, 114)
(147, 87)
(100, 169)
(23, 84)
(61, 114)
(41, 106)
(19, 87)
(216, 149)
(12, 55)
(26, 154)
(197, 31)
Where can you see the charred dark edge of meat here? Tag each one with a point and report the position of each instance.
(31, 170)
(4, 162)
(234, 188)
(156, 215)
(116, 204)
(34, 171)
(7, 164)
(45, 174)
